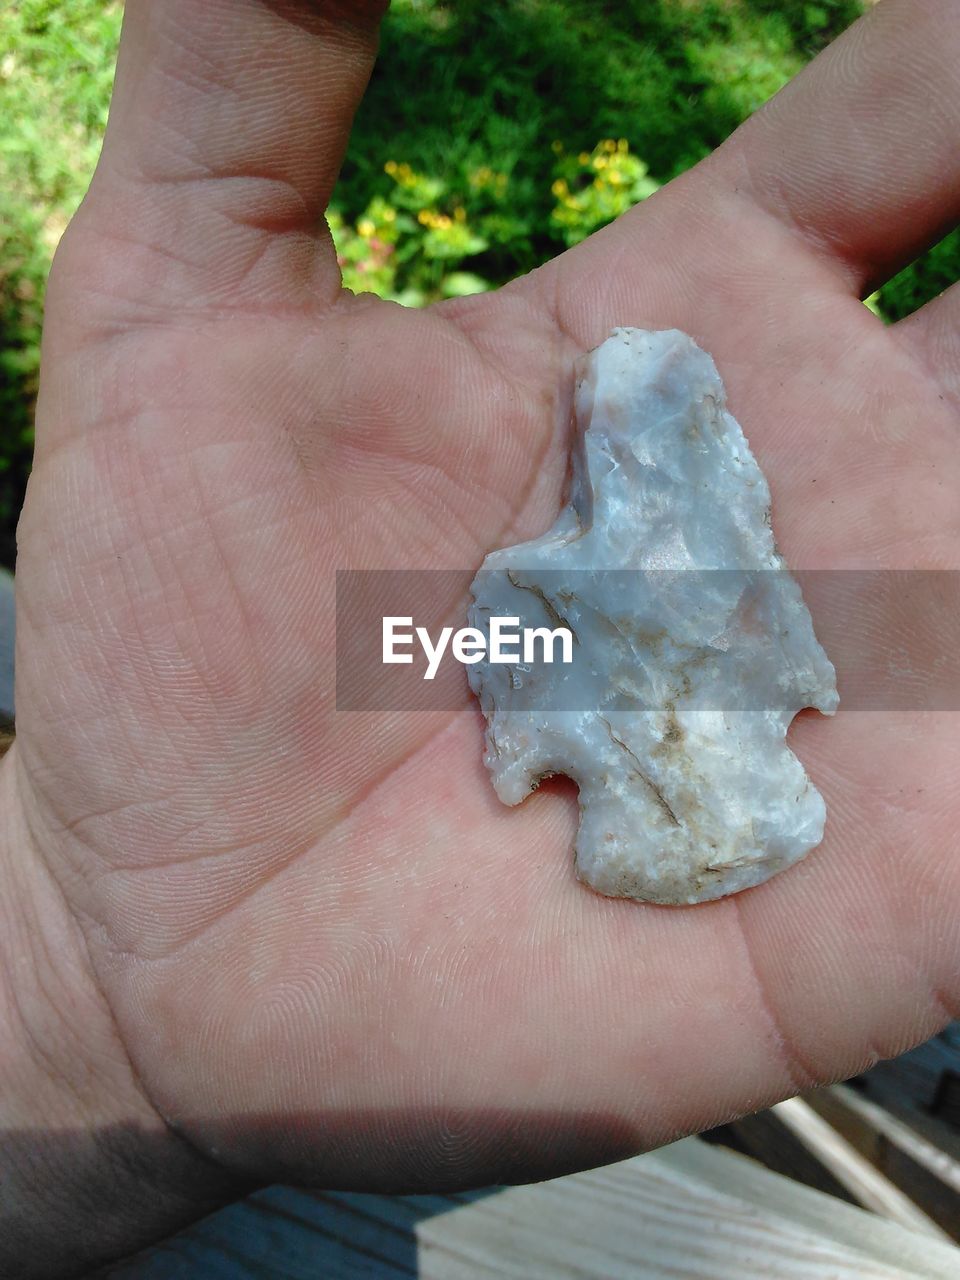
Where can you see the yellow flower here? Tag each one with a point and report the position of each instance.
(425, 218)
(559, 188)
(390, 167)
(609, 145)
(600, 162)
(623, 146)
(583, 157)
(366, 227)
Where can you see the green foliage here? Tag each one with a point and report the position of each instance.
(494, 133)
(407, 245)
(924, 279)
(811, 25)
(476, 92)
(594, 187)
(56, 71)
(404, 247)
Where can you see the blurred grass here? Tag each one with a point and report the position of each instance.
(494, 133)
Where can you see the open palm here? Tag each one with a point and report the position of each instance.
(325, 947)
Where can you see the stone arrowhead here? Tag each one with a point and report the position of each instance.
(693, 648)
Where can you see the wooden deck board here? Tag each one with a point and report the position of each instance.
(689, 1210)
(258, 1240)
(663, 1216)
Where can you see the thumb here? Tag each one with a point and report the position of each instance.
(227, 129)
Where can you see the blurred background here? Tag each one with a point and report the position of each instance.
(495, 133)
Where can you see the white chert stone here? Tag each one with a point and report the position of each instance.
(693, 646)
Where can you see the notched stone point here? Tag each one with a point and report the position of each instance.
(694, 647)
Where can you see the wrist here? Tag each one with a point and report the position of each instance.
(89, 1169)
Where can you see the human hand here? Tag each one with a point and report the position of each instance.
(317, 941)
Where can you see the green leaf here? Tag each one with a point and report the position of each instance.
(461, 284)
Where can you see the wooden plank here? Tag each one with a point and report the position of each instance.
(653, 1217)
(918, 1153)
(927, 1154)
(398, 1213)
(687, 1210)
(290, 1233)
(884, 1241)
(764, 1138)
(283, 1234)
(866, 1183)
